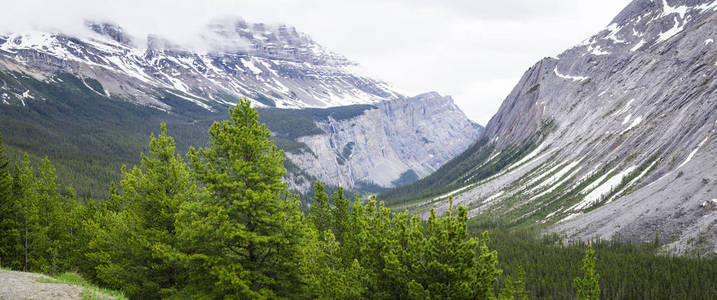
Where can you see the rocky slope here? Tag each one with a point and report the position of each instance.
(275, 65)
(613, 137)
(59, 87)
(394, 144)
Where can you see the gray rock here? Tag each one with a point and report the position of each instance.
(404, 139)
(403, 136)
(638, 99)
(273, 65)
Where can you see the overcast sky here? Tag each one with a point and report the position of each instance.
(473, 50)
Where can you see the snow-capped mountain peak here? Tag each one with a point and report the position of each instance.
(274, 65)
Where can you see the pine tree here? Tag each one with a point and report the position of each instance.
(320, 212)
(132, 246)
(587, 287)
(514, 290)
(73, 244)
(53, 219)
(326, 276)
(245, 239)
(5, 177)
(32, 237)
(340, 214)
(8, 225)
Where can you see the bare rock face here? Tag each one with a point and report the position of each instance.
(629, 125)
(400, 141)
(396, 143)
(274, 65)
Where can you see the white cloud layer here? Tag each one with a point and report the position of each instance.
(474, 50)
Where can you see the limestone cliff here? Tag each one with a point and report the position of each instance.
(396, 143)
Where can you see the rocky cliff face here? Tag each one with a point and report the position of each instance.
(397, 141)
(274, 65)
(394, 144)
(623, 131)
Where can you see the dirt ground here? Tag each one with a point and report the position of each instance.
(20, 285)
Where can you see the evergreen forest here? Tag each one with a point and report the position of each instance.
(220, 223)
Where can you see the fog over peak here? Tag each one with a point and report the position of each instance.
(473, 50)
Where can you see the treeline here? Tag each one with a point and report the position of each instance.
(88, 137)
(627, 270)
(222, 224)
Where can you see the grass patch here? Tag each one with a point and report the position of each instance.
(407, 177)
(265, 100)
(90, 291)
(533, 88)
(348, 149)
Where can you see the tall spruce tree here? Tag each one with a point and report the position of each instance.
(32, 237)
(320, 209)
(53, 219)
(588, 287)
(7, 211)
(5, 178)
(245, 239)
(131, 247)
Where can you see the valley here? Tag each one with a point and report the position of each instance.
(261, 164)
(611, 138)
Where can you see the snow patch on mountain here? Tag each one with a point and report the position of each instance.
(266, 63)
(692, 154)
(602, 189)
(569, 77)
(677, 28)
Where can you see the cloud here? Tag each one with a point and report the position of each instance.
(475, 50)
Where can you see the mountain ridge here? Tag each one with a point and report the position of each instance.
(619, 123)
(302, 90)
(274, 66)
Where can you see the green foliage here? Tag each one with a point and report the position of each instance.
(398, 255)
(407, 177)
(87, 136)
(293, 123)
(94, 84)
(244, 239)
(224, 226)
(320, 214)
(265, 100)
(469, 167)
(292, 146)
(288, 123)
(514, 290)
(7, 209)
(131, 239)
(369, 187)
(587, 287)
(627, 270)
(35, 228)
(533, 88)
(338, 113)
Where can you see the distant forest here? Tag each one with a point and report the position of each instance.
(219, 222)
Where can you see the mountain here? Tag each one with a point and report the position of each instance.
(90, 101)
(614, 137)
(276, 66)
(390, 144)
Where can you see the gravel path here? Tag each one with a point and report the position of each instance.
(21, 285)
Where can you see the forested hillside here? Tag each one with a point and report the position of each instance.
(89, 137)
(221, 224)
